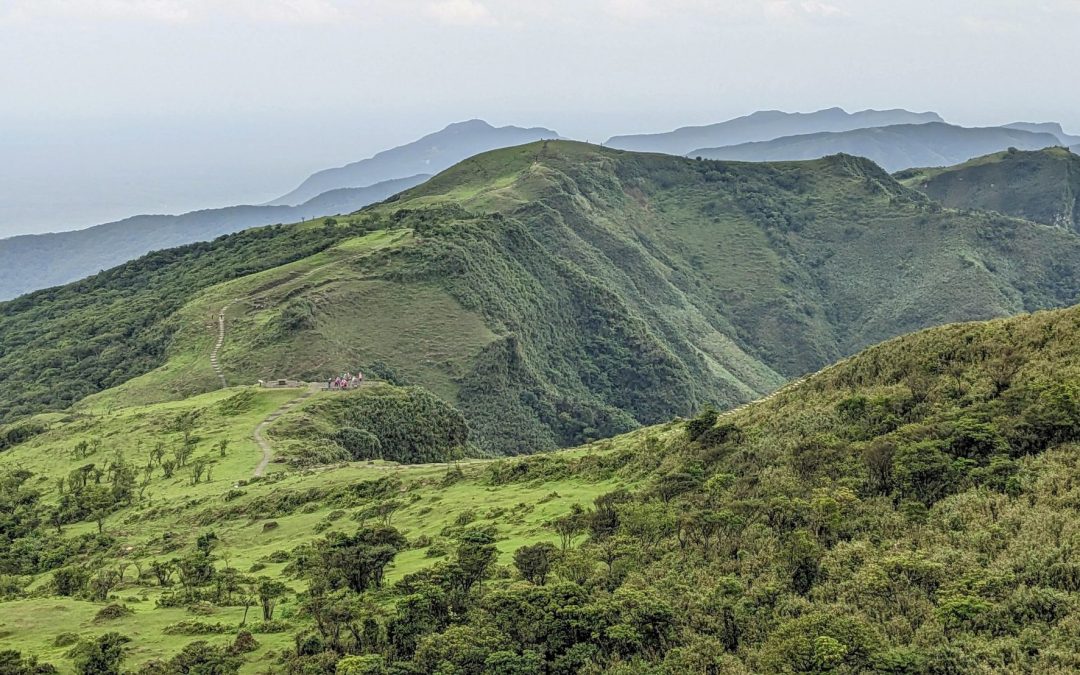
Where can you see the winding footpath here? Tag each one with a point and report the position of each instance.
(217, 347)
(260, 438)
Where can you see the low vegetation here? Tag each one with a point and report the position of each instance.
(908, 510)
(1042, 186)
(555, 293)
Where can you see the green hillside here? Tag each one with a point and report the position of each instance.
(911, 509)
(1042, 186)
(555, 292)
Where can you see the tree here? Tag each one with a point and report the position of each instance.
(458, 649)
(358, 561)
(878, 457)
(360, 443)
(475, 554)
(571, 526)
(803, 558)
(102, 584)
(269, 590)
(534, 562)
(100, 656)
(99, 502)
(248, 594)
(702, 423)
(368, 664)
(69, 581)
(162, 571)
(198, 468)
(923, 471)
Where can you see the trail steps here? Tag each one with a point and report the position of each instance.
(214, 363)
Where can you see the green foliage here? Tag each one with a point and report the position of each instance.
(409, 425)
(103, 655)
(360, 443)
(535, 562)
(1041, 185)
(14, 663)
(61, 344)
(15, 434)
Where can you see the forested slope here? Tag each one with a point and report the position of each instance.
(557, 292)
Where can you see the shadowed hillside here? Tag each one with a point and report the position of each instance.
(1042, 186)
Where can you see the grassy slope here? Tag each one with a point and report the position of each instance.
(954, 583)
(1042, 186)
(184, 511)
(558, 292)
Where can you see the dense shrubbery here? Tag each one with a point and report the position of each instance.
(410, 425)
(909, 511)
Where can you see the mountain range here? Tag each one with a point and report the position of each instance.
(765, 125)
(756, 486)
(555, 292)
(1067, 140)
(30, 262)
(33, 262)
(896, 147)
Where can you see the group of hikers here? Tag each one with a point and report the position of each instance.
(345, 381)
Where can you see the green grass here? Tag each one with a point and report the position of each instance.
(176, 507)
(1042, 186)
(555, 292)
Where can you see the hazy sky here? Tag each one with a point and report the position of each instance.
(115, 107)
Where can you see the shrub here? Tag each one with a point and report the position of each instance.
(112, 612)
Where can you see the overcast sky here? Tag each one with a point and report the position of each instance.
(115, 107)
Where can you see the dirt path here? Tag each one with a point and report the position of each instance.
(260, 438)
(217, 347)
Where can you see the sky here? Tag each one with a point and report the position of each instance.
(110, 108)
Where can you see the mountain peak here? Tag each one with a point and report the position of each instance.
(475, 123)
(430, 154)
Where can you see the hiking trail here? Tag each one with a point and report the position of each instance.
(217, 347)
(260, 439)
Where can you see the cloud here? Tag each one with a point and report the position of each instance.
(173, 11)
(986, 26)
(153, 10)
(293, 11)
(461, 13)
(797, 9)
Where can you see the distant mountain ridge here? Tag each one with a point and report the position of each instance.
(894, 148)
(1046, 128)
(765, 125)
(35, 261)
(429, 155)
